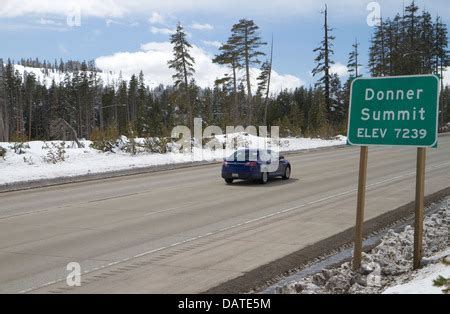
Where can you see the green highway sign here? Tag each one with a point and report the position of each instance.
(394, 111)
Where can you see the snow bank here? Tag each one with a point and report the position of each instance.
(31, 165)
(389, 264)
(421, 281)
(242, 140)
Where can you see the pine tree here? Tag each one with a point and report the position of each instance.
(426, 43)
(96, 100)
(263, 79)
(324, 61)
(54, 102)
(29, 87)
(142, 120)
(108, 108)
(83, 84)
(393, 46)
(317, 112)
(206, 105)
(446, 98)
(229, 56)
(121, 108)
(441, 53)
(337, 101)
(377, 53)
(264, 82)
(132, 99)
(183, 64)
(296, 119)
(13, 81)
(409, 58)
(406, 45)
(4, 123)
(441, 60)
(222, 108)
(61, 66)
(353, 61)
(248, 43)
(194, 91)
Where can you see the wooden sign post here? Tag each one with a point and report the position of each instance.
(360, 207)
(419, 212)
(393, 111)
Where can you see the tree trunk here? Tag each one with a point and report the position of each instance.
(72, 130)
(266, 101)
(3, 136)
(29, 119)
(383, 50)
(79, 114)
(21, 126)
(356, 59)
(186, 90)
(327, 64)
(442, 95)
(235, 94)
(247, 72)
(88, 122)
(3, 109)
(100, 112)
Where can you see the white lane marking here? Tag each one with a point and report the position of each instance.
(169, 209)
(24, 214)
(237, 226)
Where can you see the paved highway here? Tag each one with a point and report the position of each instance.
(185, 231)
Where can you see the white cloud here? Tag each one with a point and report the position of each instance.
(26, 27)
(98, 8)
(43, 21)
(202, 27)
(110, 22)
(157, 18)
(157, 46)
(213, 43)
(339, 69)
(162, 30)
(153, 58)
(280, 82)
(280, 8)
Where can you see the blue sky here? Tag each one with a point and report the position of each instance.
(115, 31)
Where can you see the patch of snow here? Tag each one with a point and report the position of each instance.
(245, 140)
(421, 282)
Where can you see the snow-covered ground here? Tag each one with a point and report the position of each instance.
(421, 282)
(81, 161)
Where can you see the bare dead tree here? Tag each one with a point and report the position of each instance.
(60, 128)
